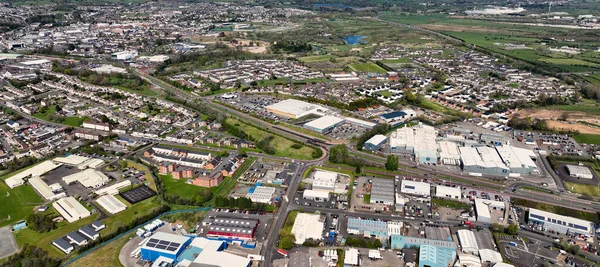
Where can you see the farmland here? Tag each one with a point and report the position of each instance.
(367, 67)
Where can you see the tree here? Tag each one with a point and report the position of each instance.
(287, 241)
(498, 228)
(358, 170)
(392, 163)
(338, 154)
(512, 229)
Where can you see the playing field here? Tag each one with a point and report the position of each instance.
(17, 203)
(310, 59)
(367, 67)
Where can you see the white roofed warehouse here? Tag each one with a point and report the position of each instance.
(418, 141)
(324, 180)
(293, 109)
(415, 188)
(468, 243)
(111, 204)
(70, 209)
(442, 191)
(578, 171)
(307, 226)
(375, 142)
(324, 124)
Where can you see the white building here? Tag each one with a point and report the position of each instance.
(292, 108)
(324, 181)
(89, 178)
(314, 195)
(415, 188)
(351, 257)
(483, 206)
(70, 209)
(43, 189)
(579, 171)
(261, 194)
(96, 126)
(418, 141)
(111, 204)
(467, 241)
(307, 226)
(324, 124)
(442, 191)
(560, 223)
(490, 256)
(482, 160)
(35, 171)
(113, 189)
(449, 154)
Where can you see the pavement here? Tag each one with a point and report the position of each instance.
(8, 246)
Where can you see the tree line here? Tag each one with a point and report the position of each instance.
(242, 203)
(31, 256)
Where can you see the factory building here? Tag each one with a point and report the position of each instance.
(434, 256)
(71, 209)
(483, 206)
(308, 226)
(111, 204)
(261, 194)
(449, 154)
(518, 160)
(397, 117)
(482, 160)
(164, 245)
(375, 142)
(367, 228)
(320, 196)
(324, 181)
(578, 171)
(89, 178)
(401, 242)
(324, 124)
(382, 191)
(493, 139)
(418, 141)
(232, 228)
(467, 241)
(293, 109)
(415, 188)
(36, 171)
(560, 223)
(442, 191)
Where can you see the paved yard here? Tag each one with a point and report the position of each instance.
(8, 246)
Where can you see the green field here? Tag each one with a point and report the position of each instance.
(587, 138)
(107, 255)
(395, 61)
(310, 59)
(145, 92)
(585, 108)
(179, 187)
(123, 218)
(568, 61)
(69, 121)
(367, 67)
(283, 146)
(592, 190)
(18, 203)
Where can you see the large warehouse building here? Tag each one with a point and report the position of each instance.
(375, 142)
(164, 245)
(111, 204)
(324, 124)
(71, 209)
(89, 178)
(418, 141)
(467, 241)
(293, 109)
(319, 196)
(324, 181)
(36, 171)
(484, 160)
(382, 191)
(261, 194)
(442, 191)
(415, 188)
(519, 160)
(579, 171)
(560, 223)
(307, 226)
(483, 206)
(232, 228)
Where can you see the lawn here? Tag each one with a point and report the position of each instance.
(148, 176)
(107, 255)
(568, 61)
(585, 108)
(70, 121)
(587, 138)
(395, 61)
(453, 204)
(367, 67)
(592, 190)
(18, 203)
(283, 146)
(310, 59)
(179, 187)
(367, 198)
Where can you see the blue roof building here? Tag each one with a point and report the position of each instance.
(432, 256)
(367, 227)
(400, 242)
(165, 245)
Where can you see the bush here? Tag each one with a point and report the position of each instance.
(40, 223)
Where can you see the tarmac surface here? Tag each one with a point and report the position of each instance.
(8, 246)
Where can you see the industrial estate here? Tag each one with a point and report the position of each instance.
(278, 133)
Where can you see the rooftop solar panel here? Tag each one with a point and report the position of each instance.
(153, 240)
(174, 244)
(172, 248)
(161, 246)
(164, 242)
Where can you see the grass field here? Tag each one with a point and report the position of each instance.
(18, 203)
(105, 256)
(395, 61)
(587, 138)
(283, 146)
(310, 59)
(453, 204)
(70, 121)
(568, 61)
(133, 211)
(145, 92)
(367, 67)
(179, 187)
(592, 190)
(148, 176)
(589, 109)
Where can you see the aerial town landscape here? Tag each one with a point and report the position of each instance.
(262, 133)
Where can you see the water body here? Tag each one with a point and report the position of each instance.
(354, 39)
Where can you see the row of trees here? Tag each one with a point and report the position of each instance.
(242, 203)
(363, 243)
(31, 256)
